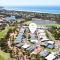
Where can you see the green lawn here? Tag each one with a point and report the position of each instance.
(51, 50)
(3, 32)
(27, 23)
(50, 36)
(4, 56)
(50, 25)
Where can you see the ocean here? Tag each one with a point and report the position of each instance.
(40, 9)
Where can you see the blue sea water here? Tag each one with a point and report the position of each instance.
(40, 9)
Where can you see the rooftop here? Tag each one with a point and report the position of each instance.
(50, 57)
(44, 53)
(25, 46)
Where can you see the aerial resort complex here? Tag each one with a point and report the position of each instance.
(28, 35)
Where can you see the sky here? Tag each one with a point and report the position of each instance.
(29, 2)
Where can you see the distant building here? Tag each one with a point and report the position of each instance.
(10, 19)
(18, 16)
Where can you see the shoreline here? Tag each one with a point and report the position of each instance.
(27, 11)
(36, 9)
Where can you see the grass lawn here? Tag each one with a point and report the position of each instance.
(4, 56)
(3, 32)
(51, 50)
(27, 22)
(50, 25)
(50, 36)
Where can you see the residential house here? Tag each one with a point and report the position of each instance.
(44, 53)
(10, 19)
(51, 56)
(25, 46)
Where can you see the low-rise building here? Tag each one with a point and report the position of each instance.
(44, 53)
(10, 19)
(20, 35)
(31, 48)
(37, 50)
(25, 46)
(51, 56)
(33, 38)
(19, 45)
